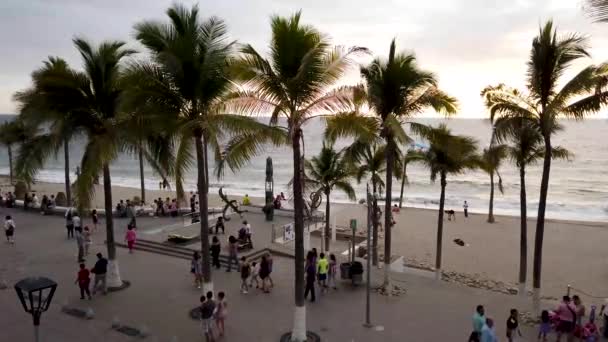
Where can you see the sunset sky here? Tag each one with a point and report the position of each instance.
(467, 43)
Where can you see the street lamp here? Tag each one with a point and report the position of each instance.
(35, 294)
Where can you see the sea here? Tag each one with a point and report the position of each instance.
(578, 188)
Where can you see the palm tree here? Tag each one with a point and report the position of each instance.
(93, 97)
(11, 133)
(409, 157)
(328, 170)
(490, 162)
(296, 82)
(447, 154)
(597, 9)
(397, 90)
(185, 84)
(551, 56)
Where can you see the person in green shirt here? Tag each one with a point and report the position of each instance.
(322, 269)
(479, 320)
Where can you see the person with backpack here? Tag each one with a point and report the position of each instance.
(245, 273)
(9, 229)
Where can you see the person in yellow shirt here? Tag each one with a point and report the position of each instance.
(322, 269)
(246, 200)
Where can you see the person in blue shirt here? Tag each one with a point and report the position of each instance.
(487, 332)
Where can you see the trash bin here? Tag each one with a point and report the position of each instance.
(356, 272)
(345, 270)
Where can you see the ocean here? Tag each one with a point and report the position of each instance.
(578, 188)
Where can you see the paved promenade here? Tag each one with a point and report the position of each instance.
(162, 294)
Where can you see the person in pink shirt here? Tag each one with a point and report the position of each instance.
(566, 312)
(130, 237)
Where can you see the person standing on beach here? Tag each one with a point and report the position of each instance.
(513, 326)
(100, 269)
(232, 252)
(9, 229)
(465, 206)
(69, 223)
(479, 320)
(130, 238)
(245, 273)
(221, 312)
(80, 243)
(215, 252)
(83, 280)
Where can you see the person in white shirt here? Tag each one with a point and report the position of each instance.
(76, 221)
(9, 229)
(465, 206)
(249, 232)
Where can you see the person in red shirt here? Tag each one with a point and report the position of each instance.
(83, 281)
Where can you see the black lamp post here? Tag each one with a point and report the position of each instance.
(35, 294)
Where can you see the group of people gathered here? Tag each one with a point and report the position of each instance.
(30, 201)
(319, 270)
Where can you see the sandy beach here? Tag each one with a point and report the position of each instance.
(574, 252)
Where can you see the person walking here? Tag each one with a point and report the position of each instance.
(95, 219)
(322, 269)
(465, 206)
(566, 312)
(196, 269)
(333, 270)
(479, 320)
(265, 273)
(9, 229)
(232, 252)
(130, 238)
(83, 280)
(580, 310)
(215, 252)
(310, 269)
(245, 273)
(69, 223)
(248, 232)
(131, 214)
(99, 270)
(221, 312)
(88, 240)
(270, 263)
(77, 221)
(80, 243)
(207, 309)
(513, 326)
(487, 331)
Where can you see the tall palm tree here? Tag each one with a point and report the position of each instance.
(407, 158)
(597, 9)
(94, 97)
(447, 154)
(490, 162)
(186, 83)
(326, 171)
(12, 133)
(296, 82)
(397, 90)
(551, 56)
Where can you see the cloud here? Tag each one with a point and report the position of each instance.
(468, 43)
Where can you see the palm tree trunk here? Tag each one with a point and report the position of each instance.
(390, 160)
(68, 183)
(540, 220)
(402, 184)
(491, 209)
(299, 325)
(375, 224)
(327, 231)
(202, 186)
(440, 227)
(523, 240)
(10, 162)
(113, 275)
(141, 174)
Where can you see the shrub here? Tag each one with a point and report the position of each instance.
(20, 190)
(61, 200)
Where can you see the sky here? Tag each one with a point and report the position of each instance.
(468, 44)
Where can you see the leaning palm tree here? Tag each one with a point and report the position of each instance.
(186, 83)
(447, 154)
(93, 96)
(297, 82)
(551, 56)
(490, 162)
(409, 157)
(12, 133)
(326, 171)
(397, 90)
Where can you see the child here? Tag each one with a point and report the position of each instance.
(255, 271)
(333, 269)
(83, 281)
(512, 326)
(245, 272)
(95, 219)
(9, 229)
(88, 241)
(591, 332)
(545, 326)
(221, 312)
(130, 237)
